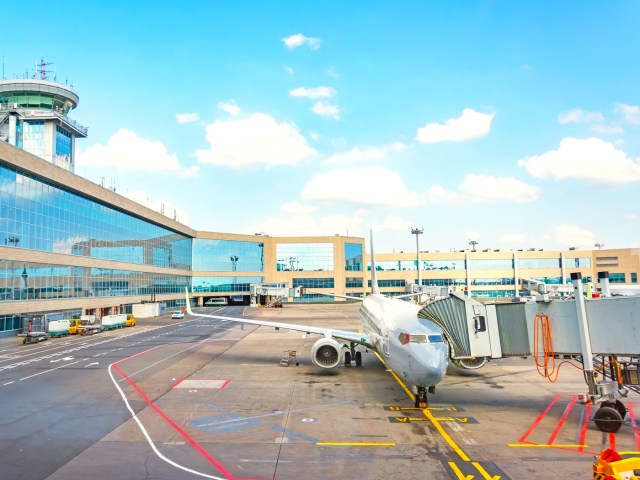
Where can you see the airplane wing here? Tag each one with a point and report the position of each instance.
(348, 297)
(345, 335)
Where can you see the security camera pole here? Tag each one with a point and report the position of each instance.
(416, 232)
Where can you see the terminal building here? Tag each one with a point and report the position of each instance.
(72, 246)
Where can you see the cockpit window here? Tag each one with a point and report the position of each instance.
(406, 338)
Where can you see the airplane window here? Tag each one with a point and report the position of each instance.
(435, 338)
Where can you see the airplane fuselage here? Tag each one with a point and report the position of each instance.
(413, 348)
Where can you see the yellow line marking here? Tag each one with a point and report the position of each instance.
(459, 474)
(427, 413)
(355, 444)
(547, 445)
(484, 473)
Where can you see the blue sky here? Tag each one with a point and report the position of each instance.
(511, 123)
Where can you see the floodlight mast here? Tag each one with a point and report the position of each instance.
(416, 232)
(473, 244)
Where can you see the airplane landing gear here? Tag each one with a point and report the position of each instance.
(421, 398)
(352, 354)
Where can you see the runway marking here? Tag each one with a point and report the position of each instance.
(291, 433)
(212, 460)
(458, 472)
(50, 370)
(484, 473)
(634, 424)
(213, 384)
(356, 444)
(539, 419)
(9, 383)
(547, 445)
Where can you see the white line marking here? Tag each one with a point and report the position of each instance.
(50, 370)
(146, 435)
(89, 364)
(9, 383)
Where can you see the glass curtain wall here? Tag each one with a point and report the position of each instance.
(37, 215)
(297, 257)
(227, 256)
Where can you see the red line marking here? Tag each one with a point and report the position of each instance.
(585, 424)
(612, 440)
(186, 436)
(539, 419)
(561, 422)
(634, 425)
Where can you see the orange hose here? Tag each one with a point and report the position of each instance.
(547, 368)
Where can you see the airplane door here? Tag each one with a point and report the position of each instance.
(385, 345)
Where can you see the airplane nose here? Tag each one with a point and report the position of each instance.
(433, 365)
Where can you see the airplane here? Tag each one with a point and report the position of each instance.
(413, 348)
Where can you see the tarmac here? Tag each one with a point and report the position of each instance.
(247, 402)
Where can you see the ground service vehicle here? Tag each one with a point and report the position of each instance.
(131, 320)
(177, 315)
(111, 322)
(216, 302)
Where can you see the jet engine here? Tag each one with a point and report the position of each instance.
(470, 363)
(326, 353)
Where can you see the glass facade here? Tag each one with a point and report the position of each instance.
(492, 281)
(538, 263)
(617, 278)
(443, 282)
(224, 284)
(326, 282)
(492, 293)
(63, 148)
(298, 257)
(443, 265)
(389, 283)
(353, 257)
(578, 262)
(354, 282)
(491, 264)
(37, 215)
(33, 137)
(227, 256)
(634, 277)
(40, 281)
(398, 265)
(37, 100)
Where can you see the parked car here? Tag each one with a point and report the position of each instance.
(177, 315)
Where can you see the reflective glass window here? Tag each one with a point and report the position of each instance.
(224, 284)
(492, 281)
(577, 262)
(304, 257)
(40, 216)
(617, 278)
(389, 283)
(492, 293)
(538, 263)
(227, 255)
(489, 264)
(353, 257)
(326, 282)
(354, 282)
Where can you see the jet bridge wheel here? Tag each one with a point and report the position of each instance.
(358, 359)
(622, 410)
(608, 419)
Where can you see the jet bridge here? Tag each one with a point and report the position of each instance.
(597, 332)
(271, 293)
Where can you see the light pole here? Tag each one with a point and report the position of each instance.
(416, 232)
(234, 267)
(473, 244)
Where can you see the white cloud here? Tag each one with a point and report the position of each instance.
(326, 110)
(315, 136)
(607, 129)
(631, 113)
(366, 153)
(160, 206)
(318, 92)
(480, 188)
(393, 223)
(126, 151)
(511, 238)
(630, 216)
(572, 236)
(257, 140)
(332, 72)
(576, 115)
(230, 107)
(368, 186)
(66, 246)
(297, 207)
(589, 159)
(298, 39)
(191, 172)
(187, 117)
(470, 124)
(305, 225)
(289, 70)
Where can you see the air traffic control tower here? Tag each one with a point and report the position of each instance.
(34, 116)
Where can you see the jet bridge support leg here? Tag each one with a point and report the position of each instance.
(610, 415)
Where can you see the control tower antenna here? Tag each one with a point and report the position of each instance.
(41, 70)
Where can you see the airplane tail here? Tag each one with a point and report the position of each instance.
(374, 276)
(187, 300)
